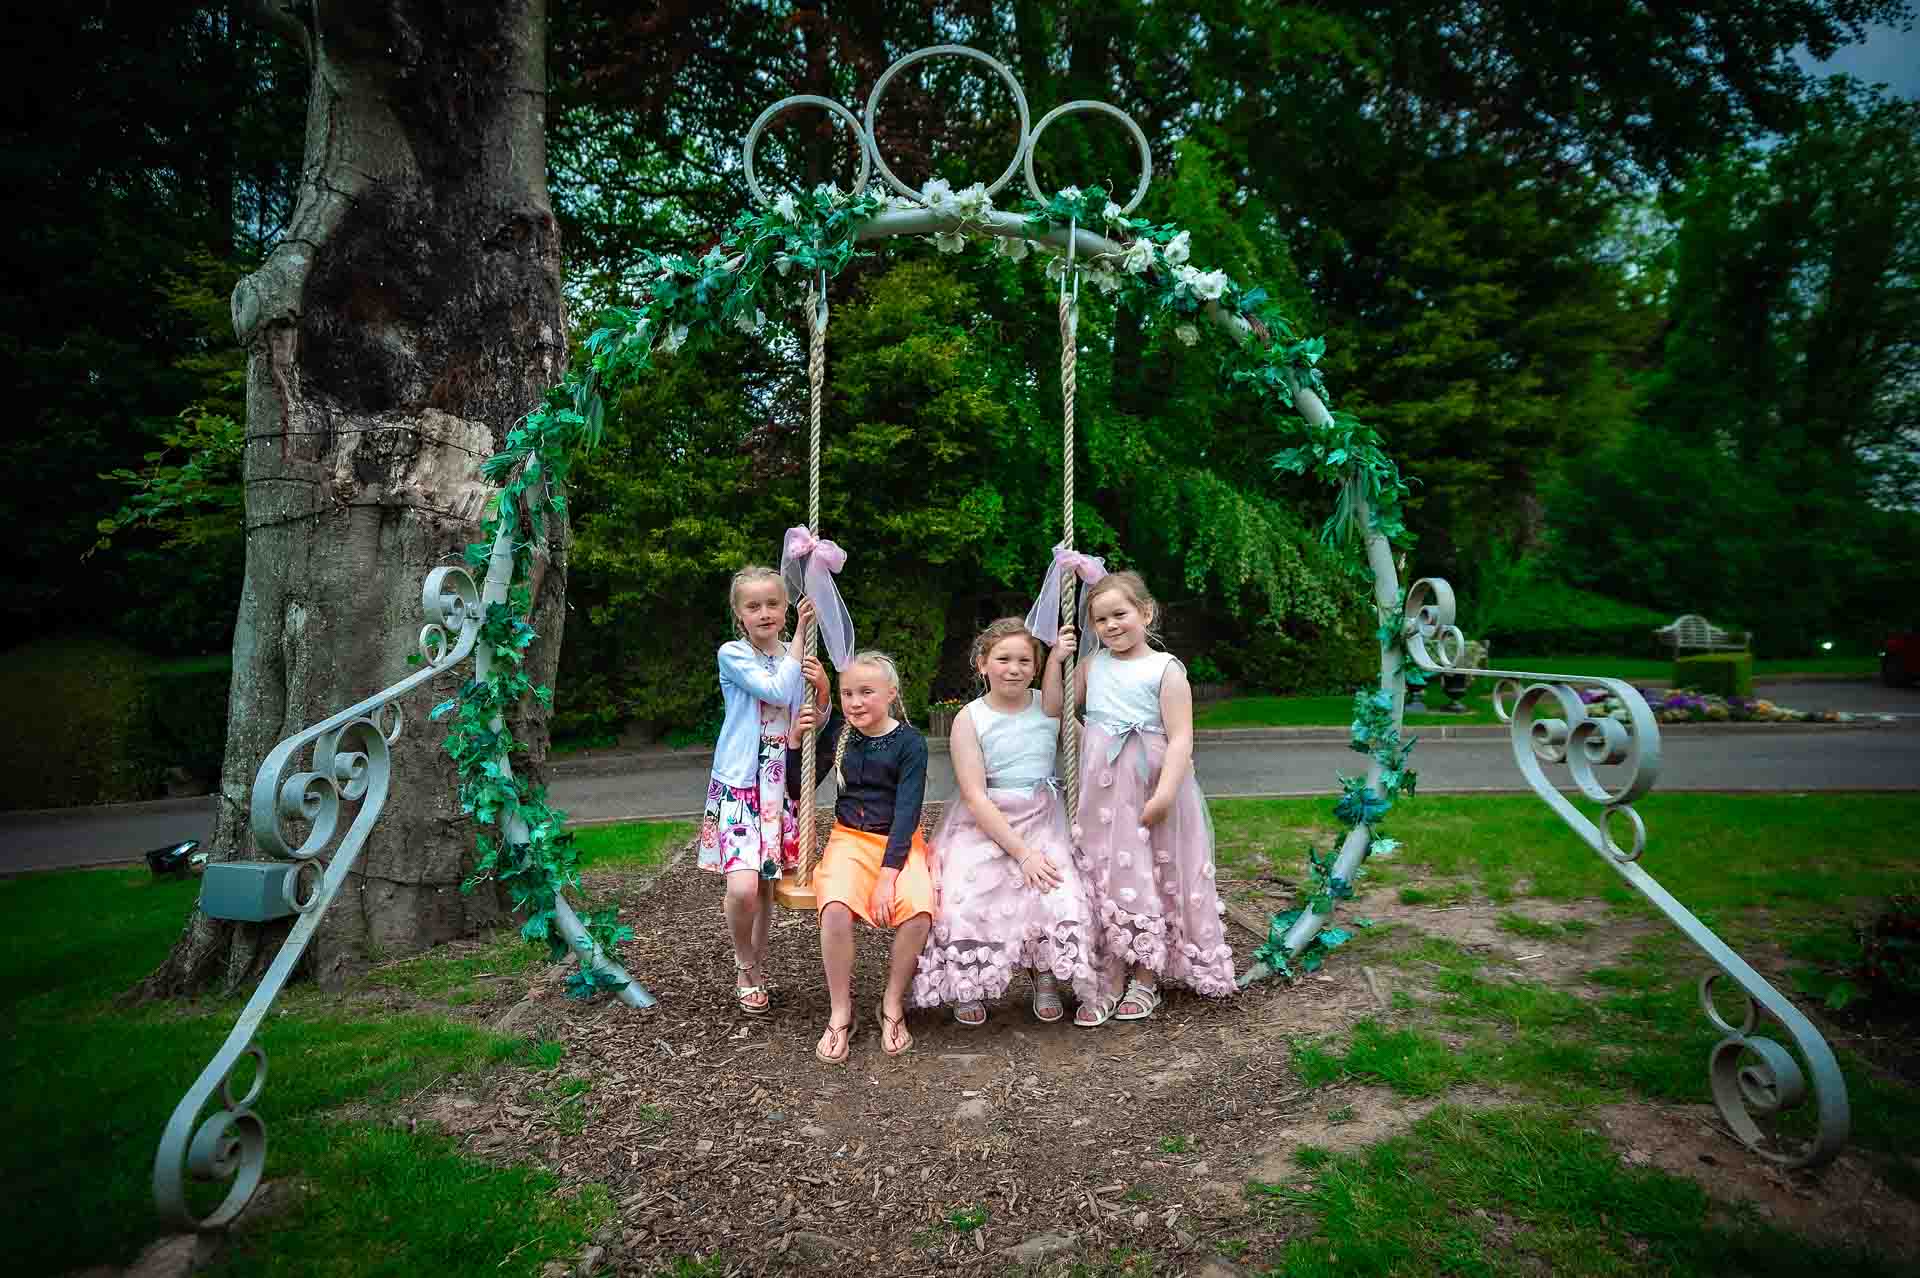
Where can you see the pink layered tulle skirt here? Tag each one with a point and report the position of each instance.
(1152, 887)
(988, 923)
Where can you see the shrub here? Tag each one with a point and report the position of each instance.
(1552, 619)
(104, 722)
(184, 719)
(1276, 661)
(1724, 674)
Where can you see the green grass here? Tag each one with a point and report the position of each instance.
(1336, 711)
(631, 844)
(1801, 857)
(88, 1088)
(1329, 711)
(1522, 1191)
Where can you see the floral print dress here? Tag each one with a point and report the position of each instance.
(753, 827)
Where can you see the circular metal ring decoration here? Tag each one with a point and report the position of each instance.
(805, 99)
(918, 55)
(1103, 108)
(1751, 1018)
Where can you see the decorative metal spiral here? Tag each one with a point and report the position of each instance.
(350, 763)
(1751, 1077)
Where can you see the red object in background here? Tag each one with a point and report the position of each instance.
(1900, 660)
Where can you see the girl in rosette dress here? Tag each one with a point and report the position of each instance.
(748, 832)
(1009, 895)
(1142, 825)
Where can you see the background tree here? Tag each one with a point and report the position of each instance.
(409, 316)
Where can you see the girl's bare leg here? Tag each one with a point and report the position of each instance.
(745, 914)
(836, 957)
(908, 940)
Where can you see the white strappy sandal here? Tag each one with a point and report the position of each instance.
(742, 993)
(1141, 995)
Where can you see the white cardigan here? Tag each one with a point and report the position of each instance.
(744, 684)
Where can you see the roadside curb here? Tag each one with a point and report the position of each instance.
(613, 762)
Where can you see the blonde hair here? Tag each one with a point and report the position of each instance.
(884, 664)
(747, 576)
(1129, 583)
(989, 639)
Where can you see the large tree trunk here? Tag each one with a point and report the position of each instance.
(410, 316)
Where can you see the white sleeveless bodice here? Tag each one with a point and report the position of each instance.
(1020, 748)
(1126, 694)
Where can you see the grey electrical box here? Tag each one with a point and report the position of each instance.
(247, 891)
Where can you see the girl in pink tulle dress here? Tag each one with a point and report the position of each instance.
(1009, 896)
(1142, 830)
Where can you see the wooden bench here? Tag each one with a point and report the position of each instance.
(1692, 631)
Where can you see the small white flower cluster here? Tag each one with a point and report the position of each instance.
(1208, 286)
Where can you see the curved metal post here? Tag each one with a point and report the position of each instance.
(1751, 1076)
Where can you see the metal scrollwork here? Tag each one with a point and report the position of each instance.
(1752, 1076)
(350, 763)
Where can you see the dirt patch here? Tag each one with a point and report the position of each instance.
(1342, 1119)
(720, 1133)
(1843, 1202)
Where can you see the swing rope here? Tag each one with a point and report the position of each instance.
(810, 635)
(1069, 582)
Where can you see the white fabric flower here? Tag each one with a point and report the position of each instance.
(1178, 249)
(830, 192)
(787, 207)
(1013, 250)
(1113, 212)
(1069, 192)
(750, 323)
(1187, 334)
(974, 201)
(1105, 279)
(1057, 269)
(783, 263)
(1209, 285)
(949, 241)
(1137, 257)
(675, 339)
(902, 202)
(937, 194)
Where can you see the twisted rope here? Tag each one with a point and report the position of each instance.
(810, 635)
(1069, 583)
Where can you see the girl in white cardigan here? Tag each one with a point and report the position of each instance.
(749, 832)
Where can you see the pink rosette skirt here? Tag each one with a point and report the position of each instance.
(1153, 888)
(988, 923)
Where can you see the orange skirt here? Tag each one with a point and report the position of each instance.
(850, 866)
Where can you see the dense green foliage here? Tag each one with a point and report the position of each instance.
(1451, 195)
(99, 721)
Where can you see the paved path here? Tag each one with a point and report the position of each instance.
(1238, 764)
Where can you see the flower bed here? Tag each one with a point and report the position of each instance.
(1683, 705)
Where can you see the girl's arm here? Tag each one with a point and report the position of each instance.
(1176, 713)
(1050, 680)
(806, 615)
(740, 666)
(909, 794)
(822, 754)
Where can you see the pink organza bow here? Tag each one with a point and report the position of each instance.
(1043, 619)
(808, 564)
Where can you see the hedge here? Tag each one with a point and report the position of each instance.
(1552, 619)
(1724, 674)
(101, 722)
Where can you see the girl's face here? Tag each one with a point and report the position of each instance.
(1008, 665)
(761, 607)
(1120, 622)
(865, 695)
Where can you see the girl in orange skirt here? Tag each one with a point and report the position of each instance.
(874, 866)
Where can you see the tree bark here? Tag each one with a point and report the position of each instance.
(410, 316)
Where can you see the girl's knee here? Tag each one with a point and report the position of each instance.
(836, 916)
(743, 890)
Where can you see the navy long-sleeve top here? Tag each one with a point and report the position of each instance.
(883, 782)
